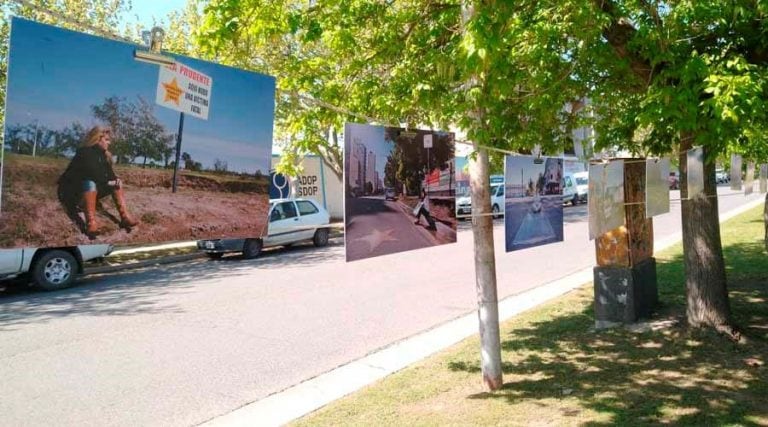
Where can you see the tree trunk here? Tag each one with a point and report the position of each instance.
(485, 270)
(705, 281)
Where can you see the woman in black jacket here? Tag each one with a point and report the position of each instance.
(90, 177)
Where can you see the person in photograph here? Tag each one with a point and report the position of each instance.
(90, 177)
(424, 210)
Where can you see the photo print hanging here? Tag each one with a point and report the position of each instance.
(749, 179)
(656, 187)
(606, 197)
(735, 172)
(695, 164)
(533, 213)
(399, 190)
(104, 148)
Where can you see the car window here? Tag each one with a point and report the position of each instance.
(500, 191)
(568, 182)
(582, 181)
(276, 214)
(306, 208)
(283, 210)
(289, 209)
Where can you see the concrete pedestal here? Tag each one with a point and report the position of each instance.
(625, 294)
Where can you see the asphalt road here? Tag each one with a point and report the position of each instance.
(379, 227)
(182, 344)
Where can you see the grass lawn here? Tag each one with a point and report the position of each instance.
(559, 371)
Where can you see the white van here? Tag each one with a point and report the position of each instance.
(575, 187)
(49, 268)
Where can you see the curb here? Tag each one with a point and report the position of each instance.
(141, 264)
(333, 240)
(312, 394)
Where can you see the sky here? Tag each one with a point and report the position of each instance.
(56, 75)
(144, 11)
(373, 138)
(513, 167)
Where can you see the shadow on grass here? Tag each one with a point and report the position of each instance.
(668, 375)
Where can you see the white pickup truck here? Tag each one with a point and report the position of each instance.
(49, 268)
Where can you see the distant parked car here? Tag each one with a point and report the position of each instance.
(389, 194)
(290, 221)
(464, 203)
(722, 177)
(674, 182)
(497, 200)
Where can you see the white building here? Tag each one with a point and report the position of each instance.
(370, 170)
(317, 182)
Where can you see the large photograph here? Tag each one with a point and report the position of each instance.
(606, 197)
(399, 190)
(533, 214)
(101, 147)
(656, 187)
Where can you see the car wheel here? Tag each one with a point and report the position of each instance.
(252, 248)
(575, 200)
(321, 237)
(495, 211)
(214, 255)
(55, 270)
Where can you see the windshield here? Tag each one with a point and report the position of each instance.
(582, 181)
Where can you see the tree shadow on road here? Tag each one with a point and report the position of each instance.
(142, 291)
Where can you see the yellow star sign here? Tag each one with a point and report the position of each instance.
(172, 91)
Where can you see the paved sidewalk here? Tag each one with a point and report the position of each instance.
(312, 394)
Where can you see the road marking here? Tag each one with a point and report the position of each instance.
(376, 238)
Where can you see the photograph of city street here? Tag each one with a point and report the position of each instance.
(534, 203)
(102, 148)
(606, 197)
(399, 190)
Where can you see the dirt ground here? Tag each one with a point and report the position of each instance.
(205, 206)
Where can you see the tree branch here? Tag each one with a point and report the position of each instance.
(618, 34)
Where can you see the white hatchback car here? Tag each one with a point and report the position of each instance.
(290, 221)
